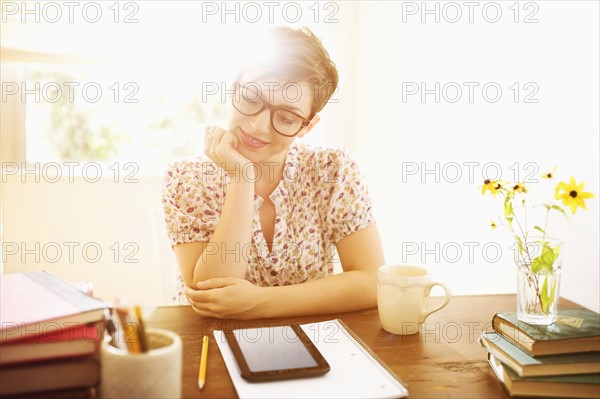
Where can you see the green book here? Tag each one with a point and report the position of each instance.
(525, 365)
(575, 331)
(571, 386)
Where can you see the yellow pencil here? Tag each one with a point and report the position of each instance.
(203, 357)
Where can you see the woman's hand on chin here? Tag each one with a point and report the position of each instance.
(221, 146)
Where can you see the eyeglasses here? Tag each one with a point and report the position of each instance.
(247, 101)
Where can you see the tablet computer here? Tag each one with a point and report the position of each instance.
(275, 353)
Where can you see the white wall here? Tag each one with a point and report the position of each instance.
(60, 227)
(377, 53)
(426, 219)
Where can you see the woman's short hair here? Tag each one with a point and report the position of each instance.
(295, 55)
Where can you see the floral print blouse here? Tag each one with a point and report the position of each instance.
(320, 200)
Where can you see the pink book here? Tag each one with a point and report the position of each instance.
(38, 303)
(79, 340)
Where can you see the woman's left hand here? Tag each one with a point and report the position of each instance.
(227, 298)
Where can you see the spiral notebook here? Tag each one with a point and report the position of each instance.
(356, 372)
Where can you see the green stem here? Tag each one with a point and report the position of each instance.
(548, 208)
(523, 234)
(526, 247)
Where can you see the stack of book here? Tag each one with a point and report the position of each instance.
(50, 335)
(559, 360)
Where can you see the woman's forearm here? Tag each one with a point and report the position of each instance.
(344, 292)
(224, 255)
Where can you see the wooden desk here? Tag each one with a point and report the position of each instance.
(443, 361)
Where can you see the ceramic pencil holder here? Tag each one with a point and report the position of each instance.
(152, 374)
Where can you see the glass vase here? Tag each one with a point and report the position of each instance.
(538, 282)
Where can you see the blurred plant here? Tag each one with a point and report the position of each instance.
(155, 130)
(72, 131)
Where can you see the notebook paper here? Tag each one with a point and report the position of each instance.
(354, 372)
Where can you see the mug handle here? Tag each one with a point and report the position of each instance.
(428, 288)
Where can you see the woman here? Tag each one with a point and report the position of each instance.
(255, 226)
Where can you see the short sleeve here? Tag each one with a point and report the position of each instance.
(347, 205)
(191, 202)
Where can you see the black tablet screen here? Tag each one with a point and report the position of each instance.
(273, 348)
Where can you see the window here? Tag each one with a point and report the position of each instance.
(105, 113)
(137, 85)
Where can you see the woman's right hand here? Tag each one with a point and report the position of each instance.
(221, 146)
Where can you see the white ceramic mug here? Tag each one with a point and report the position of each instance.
(402, 297)
(154, 374)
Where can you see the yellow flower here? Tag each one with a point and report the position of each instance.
(549, 174)
(493, 186)
(572, 194)
(493, 225)
(519, 188)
